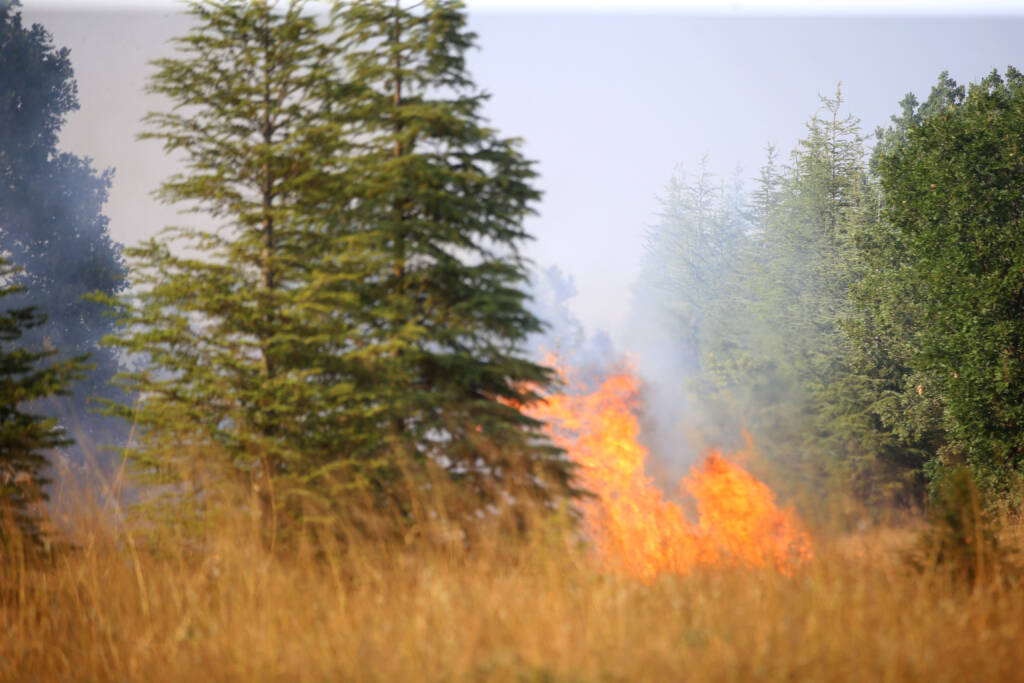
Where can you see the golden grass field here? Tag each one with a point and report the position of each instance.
(118, 608)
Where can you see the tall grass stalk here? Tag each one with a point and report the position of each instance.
(495, 604)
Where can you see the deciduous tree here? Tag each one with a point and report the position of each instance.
(51, 220)
(947, 284)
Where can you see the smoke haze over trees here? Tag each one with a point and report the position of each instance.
(51, 222)
(347, 451)
(366, 291)
(863, 324)
(26, 376)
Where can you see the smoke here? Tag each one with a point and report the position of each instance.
(664, 366)
(589, 353)
(52, 223)
(685, 300)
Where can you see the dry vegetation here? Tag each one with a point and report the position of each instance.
(118, 607)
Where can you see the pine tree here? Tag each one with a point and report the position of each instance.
(769, 319)
(355, 316)
(694, 282)
(25, 436)
(443, 198)
(239, 330)
(827, 202)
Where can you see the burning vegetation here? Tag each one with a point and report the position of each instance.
(634, 529)
(340, 474)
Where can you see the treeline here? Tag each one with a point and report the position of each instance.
(354, 324)
(861, 312)
(351, 326)
(54, 247)
(51, 221)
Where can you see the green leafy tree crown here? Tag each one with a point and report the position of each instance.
(948, 280)
(51, 220)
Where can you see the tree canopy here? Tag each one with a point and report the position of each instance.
(358, 313)
(947, 281)
(862, 316)
(51, 221)
(756, 291)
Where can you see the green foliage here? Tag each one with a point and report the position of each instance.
(694, 279)
(865, 325)
(25, 436)
(758, 295)
(829, 202)
(354, 320)
(946, 287)
(802, 293)
(51, 223)
(442, 197)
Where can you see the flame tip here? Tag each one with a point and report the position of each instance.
(633, 527)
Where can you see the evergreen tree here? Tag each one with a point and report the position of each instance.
(239, 331)
(24, 435)
(769, 188)
(443, 198)
(51, 221)
(696, 274)
(807, 242)
(831, 422)
(767, 297)
(355, 316)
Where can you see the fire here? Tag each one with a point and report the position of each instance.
(637, 531)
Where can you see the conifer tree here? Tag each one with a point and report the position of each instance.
(828, 201)
(238, 329)
(772, 325)
(356, 315)
(26, 376)
(443, 197)
(694, 279)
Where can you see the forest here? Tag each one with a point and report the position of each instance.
(337, 425)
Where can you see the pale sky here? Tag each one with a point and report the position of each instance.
(730, 7)
(609, 97)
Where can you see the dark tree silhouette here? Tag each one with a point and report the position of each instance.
(51, 221)
(26, 377)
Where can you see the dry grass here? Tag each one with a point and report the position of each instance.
(504, 610)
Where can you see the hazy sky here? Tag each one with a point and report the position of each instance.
(608, 102)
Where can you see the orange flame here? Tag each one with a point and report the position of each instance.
(634, 529)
